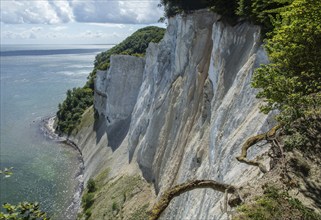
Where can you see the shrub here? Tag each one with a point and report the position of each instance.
(275, 204)
(87, 200)
(70, 111)
(23, 210)
(91, 185)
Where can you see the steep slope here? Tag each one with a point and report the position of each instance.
(190, 113)
(195, 109)
(187, 113)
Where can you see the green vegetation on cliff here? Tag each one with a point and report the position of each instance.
(275, 204)
(291, 82)
(79, 99)
(260, 12)
(124, 197)
(70, 111)
(134, 45)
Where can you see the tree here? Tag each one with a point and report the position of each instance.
(292, 81)
(91, 185)
(173, 7)
(262, 12)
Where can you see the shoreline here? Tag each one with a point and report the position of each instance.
(48, 130)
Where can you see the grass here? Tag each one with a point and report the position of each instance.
(111, 196)
(275, 204)
(140, 214)
(87, 119)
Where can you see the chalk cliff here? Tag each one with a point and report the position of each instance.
(182, 113)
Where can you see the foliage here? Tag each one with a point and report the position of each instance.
(23, 210)
(70, 111)
(262, 12)
(275, 204)
(112, 197)
(7, 172)
(173, 7)
(134, 45)
(114, 206)
(292, 81)
(224, 8)
(88, 197)
(91, 185)
(79, 99)
(259, 11)
(304, 133)
(88, 213)
(87, 200)
(140, 214)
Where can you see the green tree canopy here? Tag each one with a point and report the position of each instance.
(173, 7)
(292, 81)
(134, 45)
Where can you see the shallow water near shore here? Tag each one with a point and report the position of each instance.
(31, 88)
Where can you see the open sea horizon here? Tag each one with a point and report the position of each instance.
(34, 80)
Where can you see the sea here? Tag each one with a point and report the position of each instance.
(34, 80)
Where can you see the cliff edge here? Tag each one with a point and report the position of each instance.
(181, 114)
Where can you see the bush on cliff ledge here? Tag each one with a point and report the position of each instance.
(70, 111)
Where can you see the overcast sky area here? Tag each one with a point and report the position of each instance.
(75, 21)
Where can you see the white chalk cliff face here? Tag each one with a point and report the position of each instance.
(184, 112)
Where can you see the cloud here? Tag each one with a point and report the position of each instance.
(89, 11)
(122, 12)
(35, 12)
(59, 28)
(93, 34)
(63, 10)
(31, 33)
(108, 25)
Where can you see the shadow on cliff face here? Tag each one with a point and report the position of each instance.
(117, 131)
(100, 127)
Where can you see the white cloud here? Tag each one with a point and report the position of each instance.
(108, 25)
(31, 33)
(89, 11)
(63, 10)
(93, 34)
(143, 11)
(58, 28)
(34, 12)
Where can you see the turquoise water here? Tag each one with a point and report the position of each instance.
(33, 82)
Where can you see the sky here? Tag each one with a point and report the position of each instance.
(75, 21)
